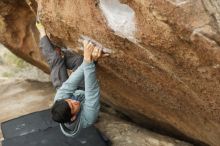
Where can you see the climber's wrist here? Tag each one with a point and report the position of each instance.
(88, 59)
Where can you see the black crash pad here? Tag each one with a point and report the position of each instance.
(37, 129)
(54, 137)
(27, 124)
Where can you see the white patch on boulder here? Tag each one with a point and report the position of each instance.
(178, 2)
(120, 18)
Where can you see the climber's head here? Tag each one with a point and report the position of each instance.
(65, 110)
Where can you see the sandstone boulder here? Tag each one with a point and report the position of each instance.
(165, 73)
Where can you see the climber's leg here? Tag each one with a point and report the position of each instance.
(72, 61)
(55, 61)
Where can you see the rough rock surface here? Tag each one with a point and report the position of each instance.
(122, 133)
(18, 31)
(166, 72)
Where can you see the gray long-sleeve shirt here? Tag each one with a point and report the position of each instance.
(90, 98)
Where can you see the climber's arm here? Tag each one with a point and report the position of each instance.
(91, 105)
(70, 85)
(92, 95)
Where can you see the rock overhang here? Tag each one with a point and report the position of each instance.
(167, 65)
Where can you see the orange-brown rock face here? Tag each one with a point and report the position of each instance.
(166, 72)
(18, 31)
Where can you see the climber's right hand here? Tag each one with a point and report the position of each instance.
(88, 49)
(97, 53)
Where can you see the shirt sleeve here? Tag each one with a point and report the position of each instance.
(70, 85)
(91, 106)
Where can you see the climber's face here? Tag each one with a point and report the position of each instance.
(74, 106)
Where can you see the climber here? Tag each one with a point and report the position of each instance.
(74, 109)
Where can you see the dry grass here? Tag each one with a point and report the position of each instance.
(12, 66)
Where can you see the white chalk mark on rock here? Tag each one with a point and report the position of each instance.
(178, 2)
(120, 18)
